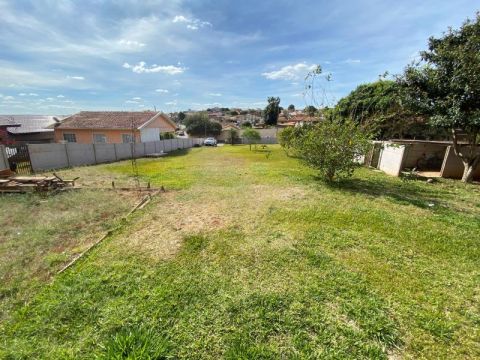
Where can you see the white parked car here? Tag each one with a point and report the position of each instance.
(210, 142)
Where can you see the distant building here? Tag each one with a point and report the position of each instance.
(22, 129)
(224, 135)
(89, 127)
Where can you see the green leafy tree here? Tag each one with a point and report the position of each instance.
(232, 136)
(233, 113)
(333, 148)
(247, 124)
(289, 137)
(272, 111)
(167, 135)
(310, 110)
(291, 107)
(181, 116)
(252, 136)
(446, 85)
(199, 124)
(380, 108)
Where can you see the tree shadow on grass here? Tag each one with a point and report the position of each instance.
(401, 192)
(178, 152)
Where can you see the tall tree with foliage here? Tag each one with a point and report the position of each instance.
(291, 107)
(446, 84)
(199, 124)
(379, 108)
(310, 110)
(272, 111)
(181, 116)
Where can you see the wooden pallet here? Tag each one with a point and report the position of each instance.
(22, 184)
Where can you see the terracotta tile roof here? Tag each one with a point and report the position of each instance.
(107, 119)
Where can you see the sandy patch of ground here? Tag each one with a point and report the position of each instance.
(173, 215)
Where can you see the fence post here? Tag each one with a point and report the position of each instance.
(115, 151)
(4, 156)
(95, 153)
(66, 154)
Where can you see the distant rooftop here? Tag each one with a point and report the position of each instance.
(23, 124)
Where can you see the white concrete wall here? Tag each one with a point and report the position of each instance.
(149, 147)
(416, 151)
(391, 159)
(48, 156)
(453, 168)
(57, 156)
(80, 154)
(3, 158)
(149, 134)
(104, 153)
(123, 151)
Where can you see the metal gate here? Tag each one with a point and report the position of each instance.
(19, 159)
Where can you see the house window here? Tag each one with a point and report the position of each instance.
(99, 138)
(70, 138)
(127, 138)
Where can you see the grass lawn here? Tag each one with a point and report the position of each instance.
(251, 256)
(40, 234)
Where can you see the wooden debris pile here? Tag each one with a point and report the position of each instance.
(22, 184)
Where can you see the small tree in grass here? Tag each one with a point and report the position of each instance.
(232, 135)
(252, 135)
(332, 148)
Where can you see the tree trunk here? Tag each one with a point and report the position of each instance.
(469, 168)
(470, 159)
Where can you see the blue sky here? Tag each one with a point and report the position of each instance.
(64, 56)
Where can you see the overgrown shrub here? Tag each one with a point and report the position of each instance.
(290, 136)
(333, 148)
(167, 135)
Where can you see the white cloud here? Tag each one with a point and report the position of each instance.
(8, 98)
(290, 72)
(33, 94)
(163, 91)
(22, 94)
(137, 98)
(180, 18)
(60, 96)
(192, 24)
(76, 77)
(141, 68)
(49, 99)
(29, 94)
(214, 94)
(131, 102)
(171, 103)
(352, 61)
(131, 44)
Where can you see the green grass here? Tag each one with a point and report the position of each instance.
(250, 256)
(40, 234)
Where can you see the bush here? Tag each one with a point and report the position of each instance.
(332, 148)
(167, 135)
(232, 136)
(252, 135)
(200, 125)
(288, 138)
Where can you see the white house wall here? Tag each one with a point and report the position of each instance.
(149, 134)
